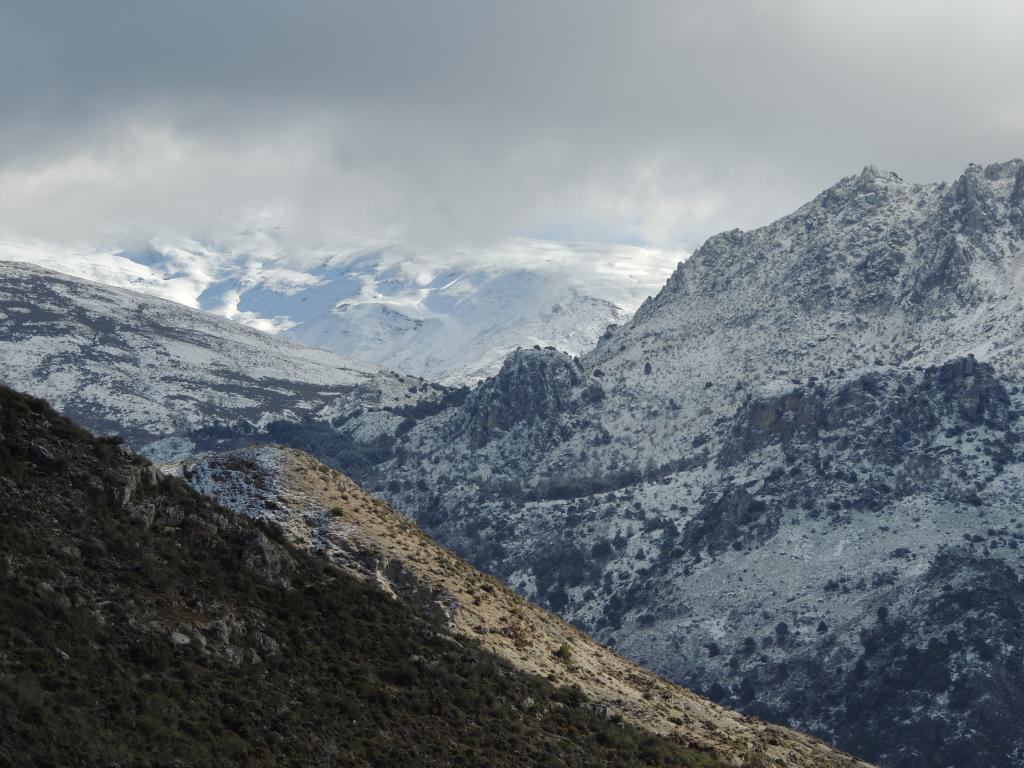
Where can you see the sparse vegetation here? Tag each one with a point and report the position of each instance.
(564, 653)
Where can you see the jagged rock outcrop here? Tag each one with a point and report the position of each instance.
(532, 386)
(884, 411)
(736, 520)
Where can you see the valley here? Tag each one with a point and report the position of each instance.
(790, 482)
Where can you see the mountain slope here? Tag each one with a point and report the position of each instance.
(171, 378)
(326, 512)
(141, 624)
(448, 317)
(792, 480)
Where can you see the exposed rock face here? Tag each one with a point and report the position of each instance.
(532, 386)
(735, 520)
(42, 456)
(884, 411)
(262, 558)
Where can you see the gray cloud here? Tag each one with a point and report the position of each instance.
(454, 122)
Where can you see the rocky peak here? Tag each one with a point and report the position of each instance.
(1017, 195)
(982, 201)
(971, 389)
(533, 384)
(872, 261)
(873, 179)
(866, 221)
(972, 203)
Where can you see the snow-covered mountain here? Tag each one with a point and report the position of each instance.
(448, 317)
(174, 379)
(793, 480)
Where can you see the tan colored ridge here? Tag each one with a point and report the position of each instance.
(323, 509)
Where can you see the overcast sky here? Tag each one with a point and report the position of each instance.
(454, 123)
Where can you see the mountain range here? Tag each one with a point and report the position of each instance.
(791, 481)
(450, 317)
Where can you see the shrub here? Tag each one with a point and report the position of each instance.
(564, 653)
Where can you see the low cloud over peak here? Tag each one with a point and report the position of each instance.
(456, 123)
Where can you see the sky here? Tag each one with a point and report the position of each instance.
(455, 123)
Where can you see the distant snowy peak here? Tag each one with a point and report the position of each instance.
(448, 317)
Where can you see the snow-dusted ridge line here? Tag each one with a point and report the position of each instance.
(792, 480)
(122, 361)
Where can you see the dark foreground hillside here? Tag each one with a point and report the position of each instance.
(141, 624)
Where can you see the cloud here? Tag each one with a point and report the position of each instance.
(460, 122)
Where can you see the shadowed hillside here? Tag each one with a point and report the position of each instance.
(142, 624)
